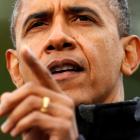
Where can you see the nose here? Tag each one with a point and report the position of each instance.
(59, 39)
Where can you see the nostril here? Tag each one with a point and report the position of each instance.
(67, 45)
(50, 47)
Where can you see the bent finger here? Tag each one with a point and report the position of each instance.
(34, 103)
(37, 119)
(16, 97)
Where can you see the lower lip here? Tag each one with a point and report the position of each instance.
(65, 75)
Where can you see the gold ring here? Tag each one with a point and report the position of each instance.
(45, 104)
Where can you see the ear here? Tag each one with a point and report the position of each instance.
(131, 58)
(13, 67)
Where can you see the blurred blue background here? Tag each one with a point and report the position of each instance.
(132, 84)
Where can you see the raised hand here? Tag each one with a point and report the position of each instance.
(23, 107)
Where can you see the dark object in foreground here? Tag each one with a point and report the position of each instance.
(117, 121)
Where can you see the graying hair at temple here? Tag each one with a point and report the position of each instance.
(118, 7)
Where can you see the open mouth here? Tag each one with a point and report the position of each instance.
(59, 67)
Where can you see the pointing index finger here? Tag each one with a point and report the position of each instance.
(40, 72)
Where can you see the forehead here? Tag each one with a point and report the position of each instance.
(40, 5)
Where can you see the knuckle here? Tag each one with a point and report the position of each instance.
(30, 86)
(35, 117)
(70, 115)
(66, 126)
(71, 103)
(20, 125)
(32, 101)
(63, 125)
(68, 101)
(31, 120)
(8, 101)
(5, 96)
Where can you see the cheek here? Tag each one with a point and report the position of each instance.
(103, 55)
(36, 44)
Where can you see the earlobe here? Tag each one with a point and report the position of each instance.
(13, 67)
(131, 58)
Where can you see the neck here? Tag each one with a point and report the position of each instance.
(117, 94)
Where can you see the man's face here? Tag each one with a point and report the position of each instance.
(78, 41)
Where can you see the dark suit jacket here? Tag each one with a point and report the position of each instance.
(116, 121)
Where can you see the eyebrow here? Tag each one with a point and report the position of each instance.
(79, 9)
(70, 10)
(38, 15)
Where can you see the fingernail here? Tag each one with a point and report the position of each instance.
(13, 133)
(5, 127)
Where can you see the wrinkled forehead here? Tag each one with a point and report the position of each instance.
(41, 5)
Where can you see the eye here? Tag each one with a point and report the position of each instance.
(83, 19)
(40, 23)
(37, 24)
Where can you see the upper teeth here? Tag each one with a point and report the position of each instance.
(63, 68)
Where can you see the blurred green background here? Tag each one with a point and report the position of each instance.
(132, 84)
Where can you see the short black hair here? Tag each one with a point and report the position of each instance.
(118, 7)
(121, 11)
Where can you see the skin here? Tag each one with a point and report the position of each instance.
(92, 40)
